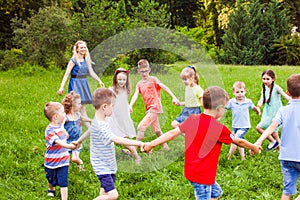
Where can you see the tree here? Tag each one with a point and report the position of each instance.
(44, 38)
(251, 31)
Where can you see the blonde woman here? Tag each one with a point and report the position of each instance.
(79, 66)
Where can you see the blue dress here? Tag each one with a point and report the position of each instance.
(78, 81)
(74, 129)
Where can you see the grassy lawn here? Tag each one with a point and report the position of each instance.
(160, 175)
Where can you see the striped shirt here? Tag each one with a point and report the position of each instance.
(56, 156)
(102, 148)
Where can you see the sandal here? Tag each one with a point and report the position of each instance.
(80, 167)
(126, 151)
(51, 193)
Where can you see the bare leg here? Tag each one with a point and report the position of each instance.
(287, 197)
(111, 195)
(231, 151)
(242, 152)
(298, 198)
(84, 114)
(64, 193)
(133, 151)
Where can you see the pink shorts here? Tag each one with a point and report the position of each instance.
(150, 119)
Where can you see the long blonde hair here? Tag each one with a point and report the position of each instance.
(86, 56)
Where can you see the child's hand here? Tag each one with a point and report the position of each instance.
(255, 150)
(175, 101)
(147, 148)
(72, 146)
(77, 144)
(130, 110)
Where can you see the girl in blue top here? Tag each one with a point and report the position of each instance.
(79, 66)
(271, 98)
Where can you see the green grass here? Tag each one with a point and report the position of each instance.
(160, 176)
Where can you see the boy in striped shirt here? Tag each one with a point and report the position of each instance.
(57, 157)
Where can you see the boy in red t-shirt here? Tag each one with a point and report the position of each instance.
(204, 136)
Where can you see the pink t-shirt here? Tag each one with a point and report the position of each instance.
(150, 91)
(204, 136)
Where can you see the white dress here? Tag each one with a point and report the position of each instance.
(120, 120)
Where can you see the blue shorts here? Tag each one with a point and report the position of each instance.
(186, 112)
(107, 181)
(58, 176)
(240, 132)
(290, 171)
(206, 192)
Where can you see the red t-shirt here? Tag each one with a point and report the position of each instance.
(150, 91)
(204, 136)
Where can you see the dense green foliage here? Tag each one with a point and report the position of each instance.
(22, 144)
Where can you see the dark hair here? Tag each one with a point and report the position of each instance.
(293, 85)
(214, 96)
(270, 73)
(115, 81)
(102, 96)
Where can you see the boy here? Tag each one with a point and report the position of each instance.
(204, 136)
(289, 155)
(57, 157)
(240, 106)
(102, 150)
(149, 87)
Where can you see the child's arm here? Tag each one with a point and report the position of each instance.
(261, 100)
(133, 99)
(82, 138)
(85, 119)
(170, 135)
(169, 92)
(271, 129)
(257, 110)
(285, 95)
(244, 143)
(64, 144)
(127, 142)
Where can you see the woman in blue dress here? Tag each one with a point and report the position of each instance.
(79, 66)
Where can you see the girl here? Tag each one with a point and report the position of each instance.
(120, 122)
(79, 66)
(193, 95)
(271, 98)
(72, 106)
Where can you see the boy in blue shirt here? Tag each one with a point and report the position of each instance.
(240, 106)
(289, 155)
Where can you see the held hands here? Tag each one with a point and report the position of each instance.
(147, 148)
(175, 101)
(71, 146)
(256, 149)
(76, 144)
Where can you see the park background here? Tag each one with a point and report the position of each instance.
(243, 38)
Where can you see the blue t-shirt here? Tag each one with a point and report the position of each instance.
(288, 116)
(240, 112)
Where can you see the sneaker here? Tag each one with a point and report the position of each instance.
(51, 193)
(272, 146)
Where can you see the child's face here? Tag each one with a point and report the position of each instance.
(76, 105)
(60, 116)
(188, 81)
(239, 93)
(108, 108)
(121, 79)
(267, 80)
(144, 72)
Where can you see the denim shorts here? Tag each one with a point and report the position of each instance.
(206, 192)
(290, 171)
(186, 112)
(107, 181)
(58, 176)
(240, 132)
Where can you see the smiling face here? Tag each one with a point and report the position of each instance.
(121, 79)
(267, 80)
(81, 49)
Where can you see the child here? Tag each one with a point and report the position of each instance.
(102, 150)
(149, 87)
(120, 121)
(204, 136)
(57, 157)
(240, 106)
(289, 155)
(271, 97)
(193, 95)
(72, 106)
